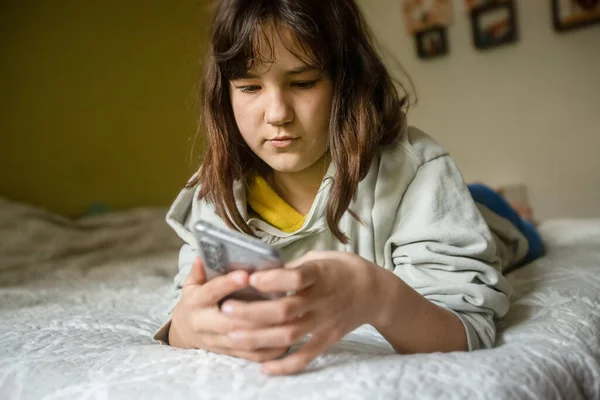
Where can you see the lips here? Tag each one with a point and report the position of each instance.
(282, 141)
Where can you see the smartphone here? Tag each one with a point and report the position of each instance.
(225, 250)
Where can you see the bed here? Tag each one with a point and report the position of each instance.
(79, 301)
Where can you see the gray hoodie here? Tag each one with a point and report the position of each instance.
(418, 221)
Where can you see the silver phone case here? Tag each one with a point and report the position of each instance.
(225, 250)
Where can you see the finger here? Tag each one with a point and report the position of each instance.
(285, 279)
(268, 312)
(214, 290)
(256, 356)
(278, 336)
(197, 276)
(308, 352)
(212, 340)
(211, 320)
(311, 256)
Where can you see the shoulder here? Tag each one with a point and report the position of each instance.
(411, 150)
(188, 208)
(397, 165)
(418, 145)
(179, 216)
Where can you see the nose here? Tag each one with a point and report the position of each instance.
(279, 110)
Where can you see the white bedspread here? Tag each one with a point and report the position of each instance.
(77, 324)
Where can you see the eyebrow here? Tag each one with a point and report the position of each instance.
(295, 71)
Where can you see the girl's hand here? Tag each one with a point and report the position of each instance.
(335, 292)
(197, 321)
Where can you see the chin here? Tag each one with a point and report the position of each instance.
(286, 166)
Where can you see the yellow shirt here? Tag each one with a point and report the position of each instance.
(271, 208)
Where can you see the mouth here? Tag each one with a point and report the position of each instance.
(282, 141)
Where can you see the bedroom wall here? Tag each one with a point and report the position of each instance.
(525, 113)
(97, 100)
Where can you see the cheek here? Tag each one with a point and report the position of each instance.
(322, 110)
(243, 118)
(238, 108)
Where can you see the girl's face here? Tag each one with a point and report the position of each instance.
(282, 108)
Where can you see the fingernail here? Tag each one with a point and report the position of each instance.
(253, 280)
(235, 335)
(227, 308)
(239, 277)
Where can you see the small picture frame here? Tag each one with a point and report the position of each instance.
(573, 14)
(432, 42)
(494, 24)
(422, 15)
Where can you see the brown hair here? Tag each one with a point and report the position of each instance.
(366, 112)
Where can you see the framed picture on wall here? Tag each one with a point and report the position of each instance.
(571, 14)
(422, 15)
(432, 42)
(494, 23)
(427, 21)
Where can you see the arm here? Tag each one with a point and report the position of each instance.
(441, 247)
(418, 326)
(187, 255)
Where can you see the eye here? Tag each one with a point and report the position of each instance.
(304, 84)
(249, 89)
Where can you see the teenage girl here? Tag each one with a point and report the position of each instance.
(307, 147)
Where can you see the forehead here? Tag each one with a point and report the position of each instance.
(277, 47)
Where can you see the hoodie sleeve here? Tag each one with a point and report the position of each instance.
(442, 247)
(187, 254)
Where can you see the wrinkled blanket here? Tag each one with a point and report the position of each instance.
(79, 301)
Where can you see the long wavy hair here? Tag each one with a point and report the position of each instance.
(367, 110)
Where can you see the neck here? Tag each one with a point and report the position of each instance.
(299, 189)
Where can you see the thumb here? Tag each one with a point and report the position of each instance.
(310, 257)
(197, 276)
